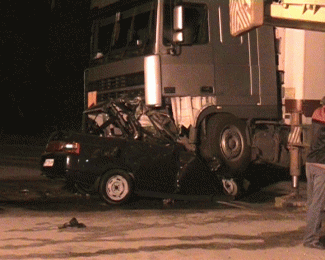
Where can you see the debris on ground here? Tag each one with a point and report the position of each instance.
(72, 223)
(168, 201)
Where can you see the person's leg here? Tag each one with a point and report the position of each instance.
(315, 202)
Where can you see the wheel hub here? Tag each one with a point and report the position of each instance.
(117, 188)
(230, 187)
(231, 143)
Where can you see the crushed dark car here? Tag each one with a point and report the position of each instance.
(124, 150)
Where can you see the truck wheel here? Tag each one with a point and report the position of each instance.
(116, 187)
(226, 135)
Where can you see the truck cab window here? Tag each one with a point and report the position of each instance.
(105, 31)
(195, 24)
(130, 32)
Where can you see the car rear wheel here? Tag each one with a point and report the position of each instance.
(116, 187)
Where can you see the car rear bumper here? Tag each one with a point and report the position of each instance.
(57, 165)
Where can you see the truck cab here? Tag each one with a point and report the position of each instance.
(207, 65)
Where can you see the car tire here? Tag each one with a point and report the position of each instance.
(231, 187)
(116, 187)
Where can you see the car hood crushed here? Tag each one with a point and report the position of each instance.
(130, 119)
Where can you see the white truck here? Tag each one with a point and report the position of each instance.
(233, 100)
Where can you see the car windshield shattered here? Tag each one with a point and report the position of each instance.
(126, 33)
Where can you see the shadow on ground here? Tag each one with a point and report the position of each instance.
(48, 195)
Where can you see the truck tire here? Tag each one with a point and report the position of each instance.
(116, 187)
(227, 139)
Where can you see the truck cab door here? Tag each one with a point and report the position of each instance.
(188, 70)
(236, 62)
(245, 68)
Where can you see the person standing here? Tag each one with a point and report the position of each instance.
(315, 173)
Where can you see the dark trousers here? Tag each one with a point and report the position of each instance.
(315, 201)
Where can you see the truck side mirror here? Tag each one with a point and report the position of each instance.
(178, 26)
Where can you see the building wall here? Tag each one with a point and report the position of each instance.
(302, 58)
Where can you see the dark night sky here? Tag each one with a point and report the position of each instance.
(43, 56)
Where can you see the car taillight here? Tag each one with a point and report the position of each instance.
(59, 146)
(72, 148)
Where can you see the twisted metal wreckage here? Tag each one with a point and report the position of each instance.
(127, 148)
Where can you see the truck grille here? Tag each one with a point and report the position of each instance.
(115, 83)
(130, 85)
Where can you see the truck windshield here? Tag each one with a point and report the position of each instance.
(127, 33)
